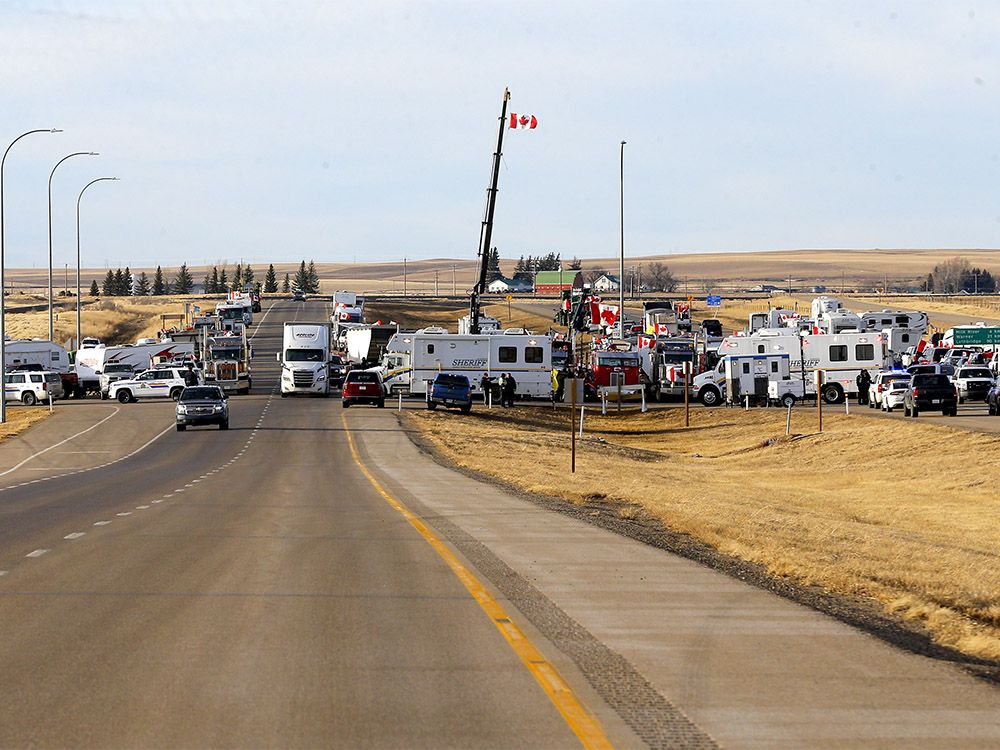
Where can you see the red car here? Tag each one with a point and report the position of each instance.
(362, 387)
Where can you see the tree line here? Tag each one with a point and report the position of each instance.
(958, 275)
(121, 282)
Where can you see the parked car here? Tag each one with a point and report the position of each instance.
(112, 373)
(894, 394)
(201, 405)
(362, 387)
(158, 382)
(930, 391)
(880, 384)
(298, 296)
(931, 369)
(452, 391)
(972, 383)
(31, 387)
(338, 370)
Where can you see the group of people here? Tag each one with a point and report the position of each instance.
(507, 384)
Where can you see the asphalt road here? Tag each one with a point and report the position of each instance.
(245, 588)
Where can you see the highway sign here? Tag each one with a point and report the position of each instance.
(713, 300)
(690, 298)
(977, 335)
(510, 297)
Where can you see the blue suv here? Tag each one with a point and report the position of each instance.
(452, 391)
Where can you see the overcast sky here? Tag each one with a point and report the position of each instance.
(275, 131)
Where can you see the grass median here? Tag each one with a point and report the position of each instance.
(21, 418)
(903, 514)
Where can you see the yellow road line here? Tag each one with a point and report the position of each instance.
(584, 724)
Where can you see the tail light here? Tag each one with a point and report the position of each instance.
(879, 389)
(45, 386)
(916, 392)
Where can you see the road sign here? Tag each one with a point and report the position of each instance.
(690, 298)
(510, 297)
(977, 335)
(713, 300)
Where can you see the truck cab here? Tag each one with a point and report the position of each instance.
(305, 359)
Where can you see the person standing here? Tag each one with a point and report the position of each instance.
(864, 380)
(509, 390)
(190, 376)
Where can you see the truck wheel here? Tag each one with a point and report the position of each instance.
(345, 402)
(832, 393)
(29, 399)
(224, 425)
(381, 403)
(466, 409)
(176, 393)
(914, 412)
(710, 396)
(124, 396)
(181, 427)
(431, 405)
(788, 400)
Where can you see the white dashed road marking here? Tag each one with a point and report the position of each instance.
(101, 523)
(75, 535)
(37, 553)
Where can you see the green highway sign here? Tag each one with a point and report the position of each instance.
(977, 335)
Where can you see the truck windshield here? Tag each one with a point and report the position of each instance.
(229, 353)
(233, 313)
(303, 355)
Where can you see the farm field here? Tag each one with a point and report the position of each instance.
(872, 508)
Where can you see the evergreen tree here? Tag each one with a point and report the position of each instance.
(248, 276)
(183, 281)
(493, 266)
(223, 282)
(237, 278)
(159, 288)
(109, 283)
(142, 287)
(127, 282)
(212, 285)
(270, 280)
(301, 282)
(520, 267)
(286, 285)
(257, 288)
(118, 283)
(313, 278)
(95, 291)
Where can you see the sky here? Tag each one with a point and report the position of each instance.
(349, 132)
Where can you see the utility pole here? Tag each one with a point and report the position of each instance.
(454, 281)
(436, 291)
(621, 259)
(404, 276)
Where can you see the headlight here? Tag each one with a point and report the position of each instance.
(218, 408)
(320, 376)
(181, 409)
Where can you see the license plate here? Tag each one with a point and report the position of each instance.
(935, 401)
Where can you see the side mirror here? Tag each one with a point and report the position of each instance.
(278, 357)
(97, 372)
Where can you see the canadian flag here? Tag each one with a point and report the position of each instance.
(523, 122)
(609, 314)
(646, 342)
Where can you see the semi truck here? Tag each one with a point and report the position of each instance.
(305, 359)
(226, 362)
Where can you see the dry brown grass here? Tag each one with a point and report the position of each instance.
(115, 320)
(903, 514)
(417, 313)
(21, 418)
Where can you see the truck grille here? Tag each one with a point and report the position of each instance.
(302, 379)
(225, 371)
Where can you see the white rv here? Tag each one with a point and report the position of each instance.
(487, 324)
(305, 359)
(879, 320)
(841, 356)
(412, 360)
(822, 305)
(839, 321)
(775, 318)
(91, 362)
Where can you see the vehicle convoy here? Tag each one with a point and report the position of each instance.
(841, 356)
(158, 382)
(48, 356)
(452, 391)
(227, 362)
(30, 387)
(305, 359)
(934, 392)
(413, 360)
(202, 405)
(91, 363)
(972, 383)
(362, 387)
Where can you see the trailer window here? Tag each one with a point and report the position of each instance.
(533, 354)
(746, 368)
(430, 348)
(838, 353)
(774, 366)
(507, 354)
(864, 352)
(760, 348)
(55, 356)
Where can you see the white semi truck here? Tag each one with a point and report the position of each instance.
(413, 360)
(305, 359)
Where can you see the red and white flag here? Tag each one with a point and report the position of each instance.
(523, 122)
(609, 314)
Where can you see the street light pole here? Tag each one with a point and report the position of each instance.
(79, 198)
(3, 280)
(621, 259)
(52, 336)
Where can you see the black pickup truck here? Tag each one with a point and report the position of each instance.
(930, 392)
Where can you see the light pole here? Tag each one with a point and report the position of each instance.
(621, 259)
(3, 280)
(52, 336)
(79, 198)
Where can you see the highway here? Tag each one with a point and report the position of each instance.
(310, 578)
